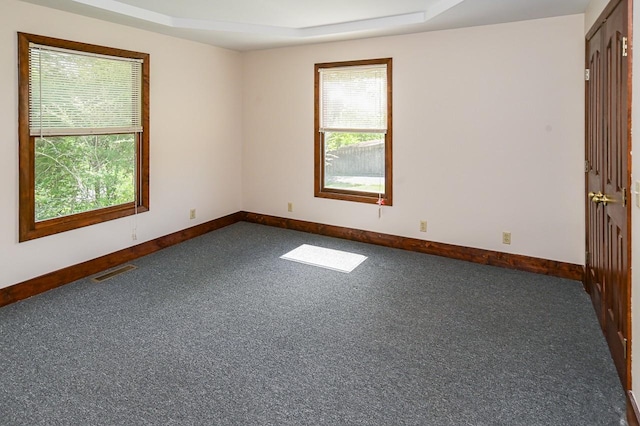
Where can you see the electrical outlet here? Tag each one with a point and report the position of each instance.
(192, 214)
(289, 207)
(506, 238)
(423, 226)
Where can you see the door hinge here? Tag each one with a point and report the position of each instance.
(624, 197)
(587, 73)
(624, 347)
(624, 46)
(586, 257)
(586, 166)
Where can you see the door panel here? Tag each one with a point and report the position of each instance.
(608, 175)
(594, 183)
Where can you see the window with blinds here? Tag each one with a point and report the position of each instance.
(354, 99)
(83, 126)
(353, 131)
(79, 93)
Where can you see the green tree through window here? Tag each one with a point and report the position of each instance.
(74, 174)
(83, 134)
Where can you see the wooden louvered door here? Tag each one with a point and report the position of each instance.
(607, 181)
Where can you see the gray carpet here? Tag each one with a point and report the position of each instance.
(220, 331)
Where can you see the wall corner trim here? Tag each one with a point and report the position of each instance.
(475, 255)
(37, 285)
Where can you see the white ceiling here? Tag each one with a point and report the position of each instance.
(261, 24)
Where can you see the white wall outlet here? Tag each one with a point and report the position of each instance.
(192, 214)
(289, 207)
(423, 226)
(506, 238)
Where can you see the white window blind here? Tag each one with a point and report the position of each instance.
(76, 93)
(353, 99)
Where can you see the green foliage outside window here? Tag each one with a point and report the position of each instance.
(337, 140)
(76, 93)
(74, 174)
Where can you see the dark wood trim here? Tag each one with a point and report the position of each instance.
(25, 149)
(485, 257)
(628, 64)
(586, 174)
(388, 147)
(143, 157)
(320, 190)
(633, 414)
(29, 228)
(72, 273)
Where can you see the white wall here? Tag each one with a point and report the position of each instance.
(594, 9)
(488, 136)
(195, 139)
(486, 139)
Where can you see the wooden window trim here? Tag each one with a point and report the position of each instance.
(320, 190)
(28, 227)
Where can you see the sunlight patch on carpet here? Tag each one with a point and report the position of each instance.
(325, 258)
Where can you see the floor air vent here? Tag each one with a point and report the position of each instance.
(113, 273)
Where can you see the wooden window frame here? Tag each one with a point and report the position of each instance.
(320, 190)
(29, 228)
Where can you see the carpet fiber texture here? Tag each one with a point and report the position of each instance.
(220, 331)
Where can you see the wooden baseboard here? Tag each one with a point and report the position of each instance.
(632, 410)
(72, 273)
(485, 257)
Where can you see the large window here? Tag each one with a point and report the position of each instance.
(353, 131)
(83, 134)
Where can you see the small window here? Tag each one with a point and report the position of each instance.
(353, 131)
(83, 134)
